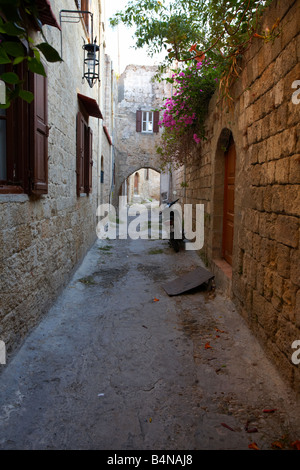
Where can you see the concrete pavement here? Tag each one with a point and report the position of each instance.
(118, 364)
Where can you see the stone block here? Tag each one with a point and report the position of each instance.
(267, 223)
(282, 170)
(295, 266)
(287, 230)
(292, 200)
(294, 170)
(289, 141)
(277, 198)
(257, 195)
(289, 290)
(285, 61)
(255, 175)
(266, 314)
(283, 260)
(273, 146)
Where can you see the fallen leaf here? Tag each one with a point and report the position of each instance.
(207, 346)
(269, 410)
(296, 445)
(155, 300)
(253, 445)
(250, 430)
(150, 420)
(228, 427)
(220, 331)
(277, 444)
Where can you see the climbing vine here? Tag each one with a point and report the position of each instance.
(17, 19)
(204, 43)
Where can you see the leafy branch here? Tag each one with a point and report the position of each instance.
(205, 40)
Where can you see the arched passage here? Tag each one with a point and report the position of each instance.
(141, 184)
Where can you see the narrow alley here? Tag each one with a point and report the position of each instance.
(118, 364)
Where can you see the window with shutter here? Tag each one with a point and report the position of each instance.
(139, 121)
(24, 139)
(89, 162)
(39, 136)
(80, 139)
(84, 158)
(147, 121)
(156, 121)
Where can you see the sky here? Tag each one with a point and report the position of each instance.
(128, 55)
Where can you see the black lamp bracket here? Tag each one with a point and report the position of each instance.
(73, 16)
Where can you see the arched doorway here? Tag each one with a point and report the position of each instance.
(228, 205)
(223, 199)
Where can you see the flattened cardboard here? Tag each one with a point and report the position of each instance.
(187, 282)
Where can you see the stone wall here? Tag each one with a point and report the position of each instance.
(42, 239)
(264, 277)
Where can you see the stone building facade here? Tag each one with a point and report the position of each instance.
(261, 133)
(137, 133)
(44, 236)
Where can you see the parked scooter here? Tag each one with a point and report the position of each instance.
(175, 243)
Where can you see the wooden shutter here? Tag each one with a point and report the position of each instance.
(139, 121)
(155, 121)
(80, 125)
(89, 161)
(39, 136)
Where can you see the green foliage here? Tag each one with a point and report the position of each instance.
(17, 18)
(213, 33)
(218, 25)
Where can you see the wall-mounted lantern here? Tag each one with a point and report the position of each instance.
(91, 63)
(91, 50)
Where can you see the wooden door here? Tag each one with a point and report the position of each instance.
(228, 216)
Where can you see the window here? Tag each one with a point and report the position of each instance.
(24, 139)
(84, 142)
(147, 121)
(84, 155)
(102, 170)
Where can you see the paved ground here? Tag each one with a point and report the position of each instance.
(110, 368)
